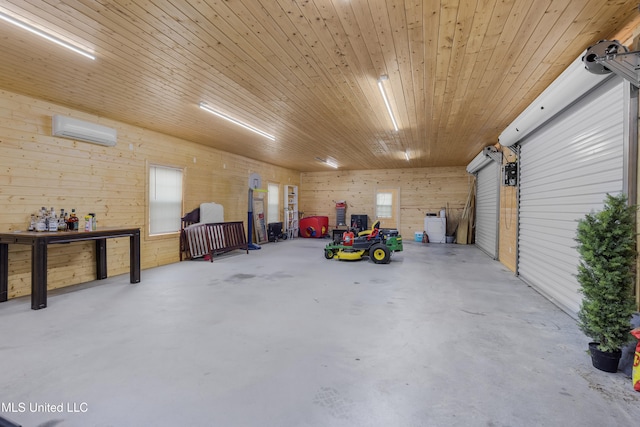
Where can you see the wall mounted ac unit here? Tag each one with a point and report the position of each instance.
(68, 127)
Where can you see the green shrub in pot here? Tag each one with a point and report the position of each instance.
(606, 273)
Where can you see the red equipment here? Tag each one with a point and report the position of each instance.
(347, 238)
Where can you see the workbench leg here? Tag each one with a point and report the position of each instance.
(101, 259)
(39, 274)
(134, 257)
(4, 272)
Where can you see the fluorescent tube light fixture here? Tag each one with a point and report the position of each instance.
(208, 109)
(386, 100)
(328, 162)
(45, 35)
(331, 163)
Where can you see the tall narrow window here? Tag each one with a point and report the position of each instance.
(387, 209)
(384, 205)
(273, 208)
(165, 199)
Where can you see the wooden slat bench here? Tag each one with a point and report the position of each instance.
(199, 240)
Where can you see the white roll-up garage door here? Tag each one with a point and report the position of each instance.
(487, 202)
(566, 169)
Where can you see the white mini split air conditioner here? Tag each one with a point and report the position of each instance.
(68, 127)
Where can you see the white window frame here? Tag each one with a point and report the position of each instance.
(385, 205)
(170, 214)
(273, 203)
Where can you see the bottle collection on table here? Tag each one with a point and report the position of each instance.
(48, 220)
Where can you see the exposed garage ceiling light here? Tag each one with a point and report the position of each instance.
(45, 35)
(332, 163)
(208, 109)
(386, 100)
(406, 155)
(328, 161)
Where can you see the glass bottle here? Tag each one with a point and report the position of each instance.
(41, 222)
(65, 221)
(62, 225)
(73, 220)
(53, 221)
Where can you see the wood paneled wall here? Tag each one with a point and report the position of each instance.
(422, 191)
(508, 219)
(40, 170)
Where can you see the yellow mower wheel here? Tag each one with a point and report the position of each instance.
(380, 254)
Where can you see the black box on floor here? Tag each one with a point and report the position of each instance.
(274, 231)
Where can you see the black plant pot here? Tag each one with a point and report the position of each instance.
(604, 360)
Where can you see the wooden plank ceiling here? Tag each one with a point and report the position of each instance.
(306, 71)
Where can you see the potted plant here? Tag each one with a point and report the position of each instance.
(606, 274)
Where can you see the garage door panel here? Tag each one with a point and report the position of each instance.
(487, 185)
(552, 269)
(545, 254)
(543, 209)
(574, 205)
(572, 187)
(554, 289)
(585, 150)
(557, 164)
(580, 183)
(586, 153)
(561, 229)
(566, 170)
(553, 242)
(584, 119)
(575, 176)
(573, 170)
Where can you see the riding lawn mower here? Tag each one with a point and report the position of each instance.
(377, 244)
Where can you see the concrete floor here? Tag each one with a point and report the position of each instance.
(442, 336)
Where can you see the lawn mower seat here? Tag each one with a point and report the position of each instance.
(374, 230)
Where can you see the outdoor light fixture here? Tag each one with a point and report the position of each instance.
(45, 35)
(208, 109)
(386, 100)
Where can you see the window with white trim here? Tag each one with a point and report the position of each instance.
(384, 205)
(273, 203)
(165, 199)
